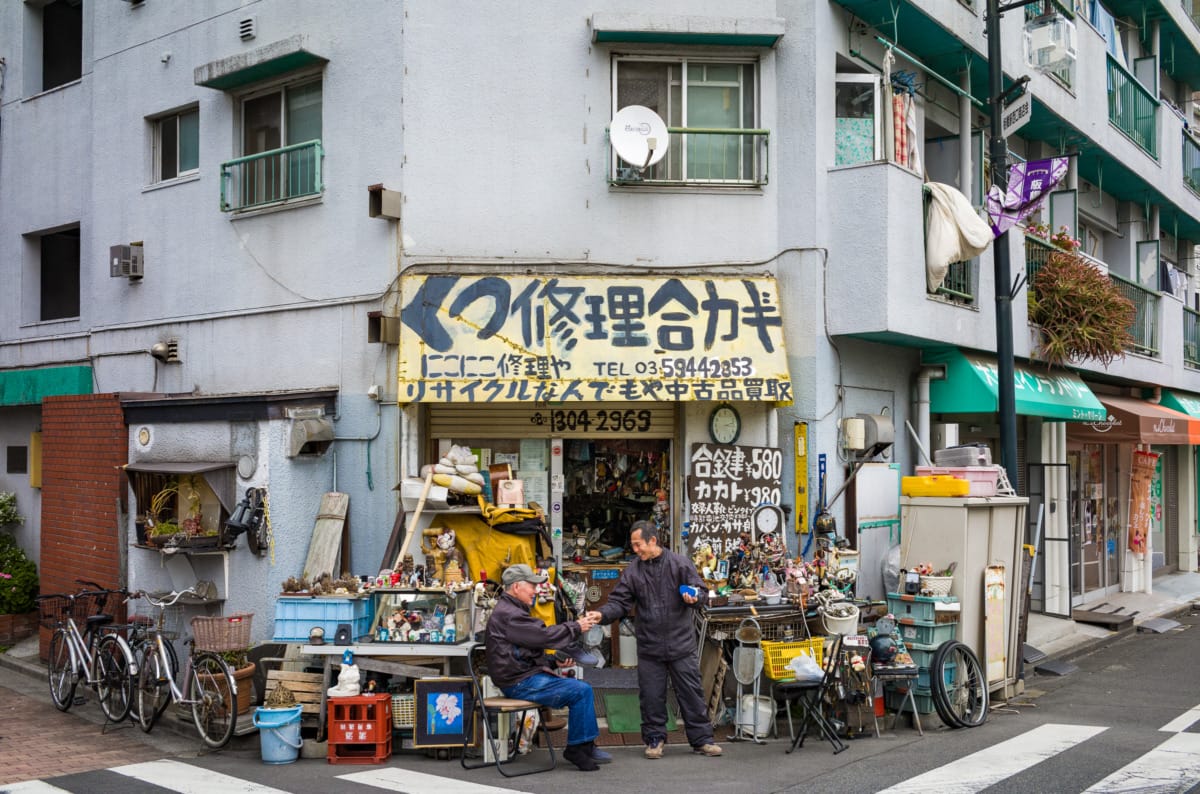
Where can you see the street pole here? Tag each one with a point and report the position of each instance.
(1005, 388)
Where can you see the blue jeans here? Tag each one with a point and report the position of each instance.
(576, 695)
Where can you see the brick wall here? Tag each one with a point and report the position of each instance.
(83, 447)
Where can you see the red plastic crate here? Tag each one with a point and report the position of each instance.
(372, 753)
(365, 719)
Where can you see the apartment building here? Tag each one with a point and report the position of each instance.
(305, 247)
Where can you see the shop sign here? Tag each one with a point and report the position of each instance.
(1144, 467)
(485, 338)
(725, 485)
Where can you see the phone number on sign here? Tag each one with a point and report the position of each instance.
(629, 420)
(692, 367)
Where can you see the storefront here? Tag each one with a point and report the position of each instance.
(1122, 503)
(594, 390)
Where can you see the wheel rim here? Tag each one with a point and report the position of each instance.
(112, 680)
(958, 686)
(214, 709)
(62, 687)
(152, 689)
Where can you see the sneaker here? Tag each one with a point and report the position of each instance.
(655, 751)
(709, 749)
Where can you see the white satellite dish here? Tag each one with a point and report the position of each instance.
(639, 135)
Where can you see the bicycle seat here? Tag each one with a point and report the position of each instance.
(99, 620)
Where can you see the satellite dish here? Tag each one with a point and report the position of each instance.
(639, 135)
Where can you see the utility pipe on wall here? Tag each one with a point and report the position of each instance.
(924, 376)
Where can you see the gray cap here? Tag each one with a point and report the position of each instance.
(522, 573)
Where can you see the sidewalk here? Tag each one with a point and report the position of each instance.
(1062, 638)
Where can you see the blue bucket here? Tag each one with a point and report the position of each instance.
(279, 733)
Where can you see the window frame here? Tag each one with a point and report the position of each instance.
(875, 81)
(156, 123)
(280, 87)
(682, 60)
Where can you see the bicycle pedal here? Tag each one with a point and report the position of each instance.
(79, 700)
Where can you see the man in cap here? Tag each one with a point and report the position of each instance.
(518, 663)
(664, 587)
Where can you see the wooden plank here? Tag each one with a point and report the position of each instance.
(325, 546)
(1110, 620)
(412, 522)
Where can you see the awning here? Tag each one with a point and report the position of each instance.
(31, 386)
(1132, 421)
(488, 338)
(641, 28)
(970, 387)
(257, 65)
(1181, 401)
(219, 474)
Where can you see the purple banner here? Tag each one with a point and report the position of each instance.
(1028, 184)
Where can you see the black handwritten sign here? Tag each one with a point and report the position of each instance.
(725, 485)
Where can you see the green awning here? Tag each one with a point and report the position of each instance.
(30, 386)
(1182, 402)
(621, 27)
(970, 388)
(258, 65)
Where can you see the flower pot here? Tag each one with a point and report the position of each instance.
(244, 678)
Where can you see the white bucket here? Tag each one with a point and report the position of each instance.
(846, 625)
(627, 649)
(755, 718)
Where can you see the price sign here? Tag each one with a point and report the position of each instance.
(726, 484)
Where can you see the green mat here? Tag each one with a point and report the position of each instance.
(625, 715)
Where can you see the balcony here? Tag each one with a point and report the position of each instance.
(1146, 302)
(273, 177)
(1191, 338)
(1131, 108)
(701, 156)
(1191, 163)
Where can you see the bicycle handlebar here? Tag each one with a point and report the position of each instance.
(87, 583)
(166, 600)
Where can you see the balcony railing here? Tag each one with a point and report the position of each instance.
(702, 156)
(1145, 321)
(1191, 338)
(271, 177)
(1144, 329)
(1191, 162)
(1132, 108)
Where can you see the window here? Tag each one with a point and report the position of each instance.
(858, 134)
(691, 96)
(61, 23)
(177, 145)
(281, 147)
(18, 460)
(59, 275)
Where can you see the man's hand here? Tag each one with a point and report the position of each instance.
(689, 599)
(587, 620)
(566, 661)
(595, 617)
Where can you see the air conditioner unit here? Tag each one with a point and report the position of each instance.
(125, 260)
(1050, 43)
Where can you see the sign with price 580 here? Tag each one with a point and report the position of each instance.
(726, 483)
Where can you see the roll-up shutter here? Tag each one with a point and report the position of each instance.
(576, 420)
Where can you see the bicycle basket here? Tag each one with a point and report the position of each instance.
(168, 620)
(53, 609)
(94, 602)
(223, 633)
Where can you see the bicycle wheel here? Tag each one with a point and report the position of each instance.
(60, 672)
(214, 702)
(958, 686)
(113, 684)
(153, 691)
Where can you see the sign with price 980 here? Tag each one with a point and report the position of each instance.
(726, 484)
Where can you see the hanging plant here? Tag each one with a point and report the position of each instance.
(1082, 313)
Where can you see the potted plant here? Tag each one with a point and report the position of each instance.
(243, 675)
(1081, 313)
(18, 588)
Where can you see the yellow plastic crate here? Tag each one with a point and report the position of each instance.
(777, 655)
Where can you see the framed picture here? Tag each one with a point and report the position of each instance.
(445, 712)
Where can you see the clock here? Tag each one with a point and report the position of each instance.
(724, 424)
(766, 519)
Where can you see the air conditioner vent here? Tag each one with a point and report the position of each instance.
(126, 260)
(248, 28)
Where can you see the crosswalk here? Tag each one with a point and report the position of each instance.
(1172, 765)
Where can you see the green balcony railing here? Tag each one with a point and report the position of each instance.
(271, 177)
(1191, 162)
(1145, 321)
(704, 156)
(1037, 251)
(1191, 338)
(1131, 108)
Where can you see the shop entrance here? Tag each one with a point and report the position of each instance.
(1164, 512)
(1096, 529)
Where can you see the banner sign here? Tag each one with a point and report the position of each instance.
(1028, 185)
(725, 485)
(1141, 478)
(484, 338)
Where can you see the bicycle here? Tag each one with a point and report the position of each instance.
(208, 685)
(98, 656)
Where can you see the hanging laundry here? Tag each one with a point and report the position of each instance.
(1028, 185)
(954, 232)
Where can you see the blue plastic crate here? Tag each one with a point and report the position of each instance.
(896, 697)
(923, 608)
(296, 617)
(922, 634)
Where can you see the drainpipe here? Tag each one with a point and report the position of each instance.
(924, 376)
(772, 426)
(964, 139)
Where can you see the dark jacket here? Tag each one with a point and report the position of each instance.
(664, 626)
(516, 642)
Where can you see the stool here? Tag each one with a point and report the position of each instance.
(502, 706)
(909, 680)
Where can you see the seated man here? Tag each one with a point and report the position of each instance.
(519, 665)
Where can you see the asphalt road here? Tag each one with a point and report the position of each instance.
(1128, 719)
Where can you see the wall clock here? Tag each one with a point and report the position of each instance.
(724, 424)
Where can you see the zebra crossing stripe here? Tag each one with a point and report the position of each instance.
(188, 779)
(988, 767)
(403, 780)
(31, 787)
(1183, 721)
(1172, 766)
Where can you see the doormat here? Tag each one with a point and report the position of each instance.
(625, 715)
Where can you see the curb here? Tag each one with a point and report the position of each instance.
(1094, 643)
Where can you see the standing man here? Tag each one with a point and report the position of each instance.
(519, 665)
(666, 638)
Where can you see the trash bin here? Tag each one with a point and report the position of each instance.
(279, 734)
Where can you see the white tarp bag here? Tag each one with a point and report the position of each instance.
(954, 232)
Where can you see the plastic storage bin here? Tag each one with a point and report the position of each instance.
(296, 617)
(964, 455)
(981, 480)
(360, 729)
(932, 485)
(930, 609)
(923, 634)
